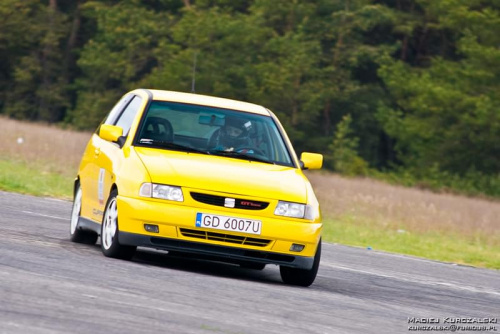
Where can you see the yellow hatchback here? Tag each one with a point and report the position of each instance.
(195, 174)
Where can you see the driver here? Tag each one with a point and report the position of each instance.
(234, 135)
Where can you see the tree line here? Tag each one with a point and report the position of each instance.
(408, 87)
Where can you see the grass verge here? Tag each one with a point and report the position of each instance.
(477, 250)
(36, 179)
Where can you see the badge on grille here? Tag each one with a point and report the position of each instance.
(229, 202)
(252, 204)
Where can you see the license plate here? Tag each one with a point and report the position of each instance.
(226, 223)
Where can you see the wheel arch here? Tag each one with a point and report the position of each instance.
(114, 187)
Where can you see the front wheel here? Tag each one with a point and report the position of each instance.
(109, 232)
(302, 277)
(76, 234)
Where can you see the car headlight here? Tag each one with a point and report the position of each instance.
(312, 212)
(289, 209)
(162, 191)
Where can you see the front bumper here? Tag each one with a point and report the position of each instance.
(215, 251)
(174, 219)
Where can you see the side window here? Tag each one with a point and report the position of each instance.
(127, 117)
(113, 114)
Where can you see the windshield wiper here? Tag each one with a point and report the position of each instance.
(240, 155)
(173, 146)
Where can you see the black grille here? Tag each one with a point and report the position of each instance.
(234, 239)
(244, 204)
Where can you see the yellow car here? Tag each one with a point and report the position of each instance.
(189, 173)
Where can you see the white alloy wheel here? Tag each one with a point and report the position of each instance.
(77, 234)
(75, 214)
(110, 224)
(110, 230)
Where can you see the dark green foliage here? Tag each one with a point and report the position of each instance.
(32, 75)
(420, 79)
(344, 158)
(446, 115)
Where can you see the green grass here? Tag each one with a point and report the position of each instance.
(35, 179)
(477, 250)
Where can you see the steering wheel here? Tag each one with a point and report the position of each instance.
(245, 149)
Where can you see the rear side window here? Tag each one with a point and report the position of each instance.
(127, 116)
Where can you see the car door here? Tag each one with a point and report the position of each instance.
(89, 173)
(108, 155)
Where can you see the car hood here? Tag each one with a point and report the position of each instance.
(223, 174)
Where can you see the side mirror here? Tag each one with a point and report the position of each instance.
(110, 132)
(311, 160)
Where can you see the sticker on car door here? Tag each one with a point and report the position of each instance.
(100, 187)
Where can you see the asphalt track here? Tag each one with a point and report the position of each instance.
(50, 285)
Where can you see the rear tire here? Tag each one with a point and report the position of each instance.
(302, 277)
(109, 232)
(75, 233)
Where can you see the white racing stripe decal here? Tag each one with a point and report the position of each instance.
(414, 280)
(42, 215)
(100, 186)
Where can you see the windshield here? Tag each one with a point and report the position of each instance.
(208, 130)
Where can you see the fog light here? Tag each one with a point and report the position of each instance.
(151, 228)
(297, 248)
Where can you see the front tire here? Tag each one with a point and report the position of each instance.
(109, 232)
(76, 234)
(302, 277)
